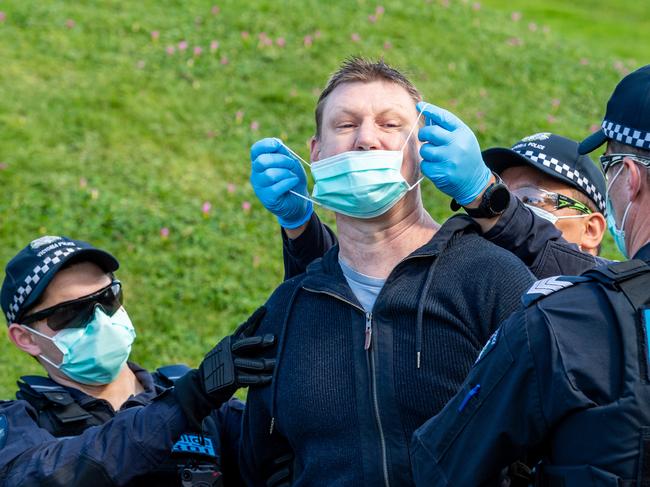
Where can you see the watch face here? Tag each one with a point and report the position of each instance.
(499, 198)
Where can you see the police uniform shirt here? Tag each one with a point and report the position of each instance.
(556, 382)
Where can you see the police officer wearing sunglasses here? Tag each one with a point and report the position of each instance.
(566, 380)
(97, 419)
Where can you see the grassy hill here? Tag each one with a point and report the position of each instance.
(128, 124)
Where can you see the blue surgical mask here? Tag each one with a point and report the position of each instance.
(360, 184)
(94, 354)
(617, 233)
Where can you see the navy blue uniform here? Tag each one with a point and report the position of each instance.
(564, 381)
(133, 448)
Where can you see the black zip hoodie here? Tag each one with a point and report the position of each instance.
(351, 387)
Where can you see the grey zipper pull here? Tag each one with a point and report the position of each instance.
(366, 346)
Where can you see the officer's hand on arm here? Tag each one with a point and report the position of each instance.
(274, 173)
(237, 361)
(451, 159)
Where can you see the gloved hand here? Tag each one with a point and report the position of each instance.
(274, 172)
(451, 155)
(237, 361)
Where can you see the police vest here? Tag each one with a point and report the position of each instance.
(194, 459)
(604, 431)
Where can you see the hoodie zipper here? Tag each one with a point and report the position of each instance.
(375, 400)
(368, 341)
(370, 360)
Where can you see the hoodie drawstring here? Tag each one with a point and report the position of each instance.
(421, 300)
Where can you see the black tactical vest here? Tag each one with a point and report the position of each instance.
(615, 434)
(194, 460)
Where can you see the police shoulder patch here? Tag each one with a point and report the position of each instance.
(4, 430)
(195, 444)
(547, 286)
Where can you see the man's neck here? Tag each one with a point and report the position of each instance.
(125, 385)
(374, 247)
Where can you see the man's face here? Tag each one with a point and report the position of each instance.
(368, 116)
(573, 229)
(71, 283)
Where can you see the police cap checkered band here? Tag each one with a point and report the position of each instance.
(626, 135)
(627, 118)
(32, 269)
(566, 171)
(555, 156)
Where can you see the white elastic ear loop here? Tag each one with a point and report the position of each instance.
(415, 183)
(412, 130)
(609, 187)
(36, 332)
(304, 197)
(293, 153)
(304, 162)
(42, 335)
(627, 208)
(49, 361)
(566, 217)
(406, 142)
(611, 183)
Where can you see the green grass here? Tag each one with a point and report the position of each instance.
(106, 137)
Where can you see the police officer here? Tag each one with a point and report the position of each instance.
(98, 418)
(546, 172)
(565, 380)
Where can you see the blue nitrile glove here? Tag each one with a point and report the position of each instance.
(451, 155)
(274, 172)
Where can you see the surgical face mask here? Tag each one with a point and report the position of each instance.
(94, 354)
(617, 233)
(360, 184)
(547, 215)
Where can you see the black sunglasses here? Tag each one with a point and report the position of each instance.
(76, 313)
(607, 161)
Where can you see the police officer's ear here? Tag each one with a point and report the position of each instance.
(23, 339)
(594, 230)
(634, 177)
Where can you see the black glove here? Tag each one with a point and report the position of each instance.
(235, 362)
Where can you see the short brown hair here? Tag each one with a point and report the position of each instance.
(364, 70)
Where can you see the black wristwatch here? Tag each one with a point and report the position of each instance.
(493, 203)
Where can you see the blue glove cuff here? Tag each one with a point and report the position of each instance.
(478, 189)
(295, 223)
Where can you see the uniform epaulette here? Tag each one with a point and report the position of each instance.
(166, 375)
(550, 285)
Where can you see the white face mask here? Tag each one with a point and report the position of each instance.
(360, 184)
(547, 215)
